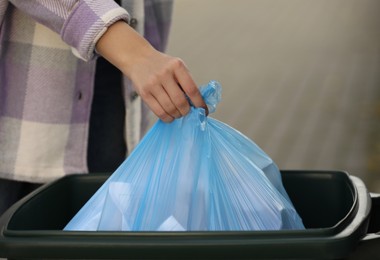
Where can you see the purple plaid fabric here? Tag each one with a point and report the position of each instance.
(47, 66)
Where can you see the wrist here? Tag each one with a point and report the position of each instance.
(136, 54)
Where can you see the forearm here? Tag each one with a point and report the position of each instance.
(123, 47)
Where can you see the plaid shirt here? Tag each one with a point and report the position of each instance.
(47, 67)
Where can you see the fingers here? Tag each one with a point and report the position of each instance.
(188, 85)
(171, 101)
(177, 96)
(163, 82)
(166, 101)
(157, 109)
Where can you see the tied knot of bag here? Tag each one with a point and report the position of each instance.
(212, 95)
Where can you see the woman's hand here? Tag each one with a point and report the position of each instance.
(162, 81)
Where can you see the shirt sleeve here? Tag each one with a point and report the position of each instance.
(80, 23)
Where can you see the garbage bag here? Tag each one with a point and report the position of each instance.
(194, 174)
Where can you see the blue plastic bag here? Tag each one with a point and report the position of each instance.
(193, 174)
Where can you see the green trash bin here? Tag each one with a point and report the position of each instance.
(336, 209)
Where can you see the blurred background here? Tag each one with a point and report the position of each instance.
(301, 78)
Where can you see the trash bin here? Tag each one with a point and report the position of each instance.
(336, 209)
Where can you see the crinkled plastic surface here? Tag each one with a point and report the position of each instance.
(194, 174)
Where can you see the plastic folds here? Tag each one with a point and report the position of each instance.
(194, 174)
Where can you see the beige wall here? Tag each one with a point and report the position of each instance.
(300, 77)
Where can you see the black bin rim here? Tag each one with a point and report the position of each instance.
(335, 241)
